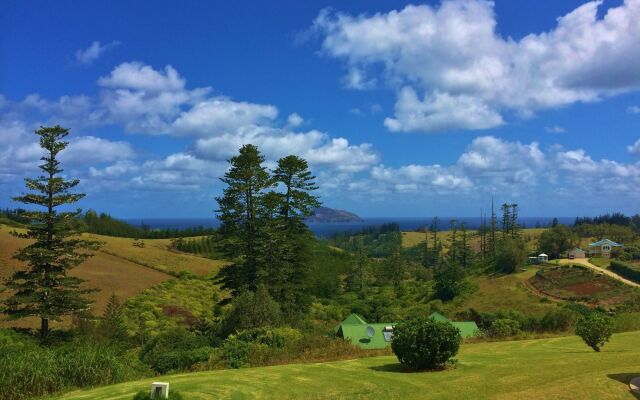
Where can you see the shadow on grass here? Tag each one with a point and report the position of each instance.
(625, 378)
(397, 367)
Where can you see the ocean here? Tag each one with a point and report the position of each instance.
(327, 229)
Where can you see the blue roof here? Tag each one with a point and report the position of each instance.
(606, 241)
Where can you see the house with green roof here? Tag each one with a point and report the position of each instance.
(378, 335)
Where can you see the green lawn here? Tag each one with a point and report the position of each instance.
(558, 368)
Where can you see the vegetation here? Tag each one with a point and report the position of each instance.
(30, 370)
(424, 343)
(485, 370)
(630, 272)
(595, 329)
(262, 290)
(263, 230)
(45, 289)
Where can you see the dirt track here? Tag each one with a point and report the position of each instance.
(585, 262)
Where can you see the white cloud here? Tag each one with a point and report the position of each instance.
(443, 112)
(555, 129)
(294, 120)
(512, 169)
(633, 110)
(454, 58)
(218, 116)
(92, 150)
(93, 52)
(634, 148)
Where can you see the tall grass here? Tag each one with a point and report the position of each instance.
(28, 370)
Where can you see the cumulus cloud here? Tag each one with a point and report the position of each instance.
(555, 129)
(93, 52)
(294, 120)
(91, 149)
(145, 100)
(634, 148)
(468, 75)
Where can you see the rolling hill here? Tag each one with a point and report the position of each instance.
(119, 267)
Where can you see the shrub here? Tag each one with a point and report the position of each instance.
(423, 343)
(235, 352)
(558, 320)
(595, 329)
(504, 327)
(146, 395)
(510, 255)
(177, 349)
(627, 271)
(252, 310)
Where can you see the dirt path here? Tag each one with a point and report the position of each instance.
(586, 263)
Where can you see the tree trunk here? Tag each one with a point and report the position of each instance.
(44, 328)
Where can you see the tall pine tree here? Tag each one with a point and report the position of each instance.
(246, 181)
(44, 289)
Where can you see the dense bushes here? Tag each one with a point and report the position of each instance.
(424, 343)
(30, 370)
(625, 270)
(504, 327)
(175, 350)
(252, 310)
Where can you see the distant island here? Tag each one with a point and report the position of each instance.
(326, 214)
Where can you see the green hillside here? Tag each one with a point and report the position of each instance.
(558, 368)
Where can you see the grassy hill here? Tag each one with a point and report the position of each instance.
(119, 267)
(558, 368)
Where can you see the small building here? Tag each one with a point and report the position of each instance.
(576, 253)
(379, 335)
(604, 248)
(542, 258)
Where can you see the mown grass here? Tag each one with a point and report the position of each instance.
(558, 368)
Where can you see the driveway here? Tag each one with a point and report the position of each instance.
(586, 263)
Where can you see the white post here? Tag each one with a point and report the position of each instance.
(159, 390)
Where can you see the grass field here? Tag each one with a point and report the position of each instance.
(558, 368)
(410, 239)
(156, 255)
(119, 268)
(502, 292)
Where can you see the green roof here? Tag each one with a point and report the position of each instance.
(355, 329)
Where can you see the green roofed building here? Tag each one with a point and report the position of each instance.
(379, 335)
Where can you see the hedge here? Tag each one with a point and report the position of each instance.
(625, 270)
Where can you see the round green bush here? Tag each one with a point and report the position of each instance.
(595, 329)
(423, 343)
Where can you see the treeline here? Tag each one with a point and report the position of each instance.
(104, 224)
(615, 218)
(205, 246)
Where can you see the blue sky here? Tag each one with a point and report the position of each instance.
(402, 109)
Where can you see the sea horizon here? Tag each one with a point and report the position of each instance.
(325, 229)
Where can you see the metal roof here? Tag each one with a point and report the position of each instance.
(606, 241)
(354, 328)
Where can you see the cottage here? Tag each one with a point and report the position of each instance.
(379, 335)
(577, 253)
(542, 258)
(604, 248)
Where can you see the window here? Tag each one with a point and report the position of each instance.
(606, 247)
